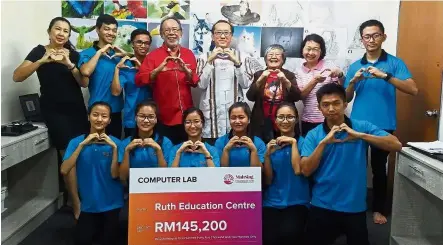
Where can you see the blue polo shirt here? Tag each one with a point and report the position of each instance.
(240, 156)
(286, 189)
(190, 159)
(133, 94)
(340, 179)
(145, 157)
(375, 99)
(100, 80)
(98, 191)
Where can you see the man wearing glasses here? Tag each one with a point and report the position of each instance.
(374, 79)
(170, 72)
(221, 81)
(124, 79)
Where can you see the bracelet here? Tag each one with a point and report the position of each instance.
(73, 67)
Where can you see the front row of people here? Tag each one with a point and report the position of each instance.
(333, 154)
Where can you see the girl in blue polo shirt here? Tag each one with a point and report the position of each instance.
(95, 157)
(146, 148)
(286, 199)
(193, 153)
(237, 149)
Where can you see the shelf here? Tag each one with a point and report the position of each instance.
(22, 215)
(417, 241)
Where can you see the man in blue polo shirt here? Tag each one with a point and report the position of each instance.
(334, 153)
(374, 79)
(97, 64)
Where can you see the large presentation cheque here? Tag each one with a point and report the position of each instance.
(195, 206)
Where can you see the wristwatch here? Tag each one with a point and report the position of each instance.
(239, 65)
(208, 158)
(388, 76)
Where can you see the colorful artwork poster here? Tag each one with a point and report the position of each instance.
(82, 9)
(159, 9)
(125, 28)
(83, 33)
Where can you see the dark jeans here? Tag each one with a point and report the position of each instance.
(325, 226)
(284, 226)
(115, 127)
(175, 133)
(307, 126)
(379, 158)
(90, 225)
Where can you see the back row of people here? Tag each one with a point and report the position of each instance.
(171, 70)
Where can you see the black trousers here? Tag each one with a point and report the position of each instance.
(325, 226)
(379, 158)
(284, 226)
(90, 225)
(115, 127)
(307, 126)
(175, 133)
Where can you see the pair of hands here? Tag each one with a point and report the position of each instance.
(373, 71)
(229, 52)
(121, 64)
(57, 55)
(197, 147)
(332, 73)
(352, 134)
(147, 142)
(239, 141)
(118, 51)
(182, 64)
(278, 143)
(92, 138)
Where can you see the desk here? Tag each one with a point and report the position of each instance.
(417, 212)
(29, 164)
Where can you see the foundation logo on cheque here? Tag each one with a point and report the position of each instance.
(239, 178)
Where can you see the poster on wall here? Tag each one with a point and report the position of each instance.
(83, 33)
(195, 206)
(288, 37)
(159, 9)
(126, 10)
(82, 9)
(125, 28)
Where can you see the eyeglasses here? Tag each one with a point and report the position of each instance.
(289, 118)
(375, 36)
(315, 50)
(196, 123)
(144, 117)
(220, 33)
(173, 30)
(140, 43)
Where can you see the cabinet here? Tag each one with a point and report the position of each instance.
(417, 212)
(29, 165)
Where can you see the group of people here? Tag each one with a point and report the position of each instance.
(314, 180)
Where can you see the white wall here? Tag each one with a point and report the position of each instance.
(23, 26)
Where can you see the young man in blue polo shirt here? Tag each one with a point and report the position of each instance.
(374, 79)
(334, 153)
(97, 64)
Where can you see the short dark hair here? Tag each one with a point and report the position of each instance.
(140, 31)
(315, 38)
(371, 23)
(192, 110)
(223, 21)
(98, 103)
(105, 19)
(331, 88)
(170, 18)
(242, 105)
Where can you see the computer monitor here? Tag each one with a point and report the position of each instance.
(30, 104)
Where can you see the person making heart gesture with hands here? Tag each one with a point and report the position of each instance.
(286, 195)
(95, 158)
(238, 148)
(339, 161)
(146, 147)
(193, 152)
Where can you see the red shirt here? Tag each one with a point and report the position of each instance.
(171, 89)
(272, 86)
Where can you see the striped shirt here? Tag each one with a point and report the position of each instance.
(304, 75)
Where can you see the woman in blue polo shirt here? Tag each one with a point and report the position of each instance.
(146, 148)
(237, 149)
(193, 153)
(285, 202)
(95, 157)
